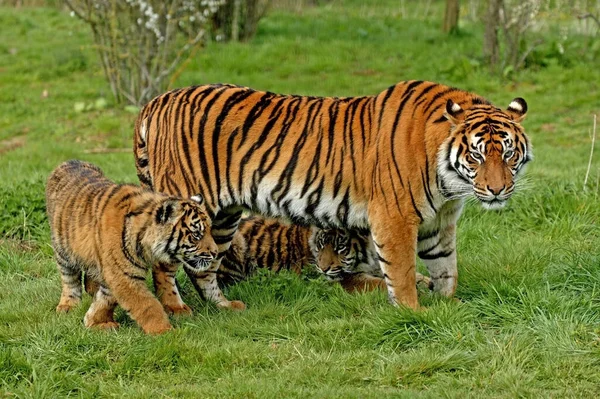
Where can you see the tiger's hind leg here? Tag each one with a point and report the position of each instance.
(70, 275)
(166, 289)
(224, 226)
(101, 312)
(90, 284)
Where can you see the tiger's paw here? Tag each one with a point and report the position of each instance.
(178, 310)
(232, 305)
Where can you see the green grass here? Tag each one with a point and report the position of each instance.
(528, 320)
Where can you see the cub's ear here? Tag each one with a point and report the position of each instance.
(454, 112)
(517, 109)
(165, 211)
(198, 198)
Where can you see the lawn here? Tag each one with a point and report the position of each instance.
(527, 322)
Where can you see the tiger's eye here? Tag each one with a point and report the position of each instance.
(508, 155)
(476, 156)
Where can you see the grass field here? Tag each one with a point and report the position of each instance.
(528, 320)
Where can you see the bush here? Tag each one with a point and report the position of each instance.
(142, 42)
(238, 20)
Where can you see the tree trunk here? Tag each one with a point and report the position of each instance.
(451, 16)
(490, 40)
(235, 23)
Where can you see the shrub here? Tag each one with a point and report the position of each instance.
(142, 42)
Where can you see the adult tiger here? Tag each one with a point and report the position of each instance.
(399, 163)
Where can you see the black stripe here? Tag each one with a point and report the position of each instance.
(134, 276)
(283, 186)
(394, 190)
(428, 235)
(412, 199)
(202, 133)
(387, 95)
(232, 101)
(437, 255)
(124, 245)
(435, 98)
(333, 112)
(259, 107)
(274, 116)
(426, 184)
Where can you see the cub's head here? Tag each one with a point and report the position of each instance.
(485, 152)
(340, 252)
(182, 234)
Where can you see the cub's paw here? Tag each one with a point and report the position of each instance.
(65, 307)
(424, 280)
(157, 329)
(107, 325)
(232, 305)
(177, 310)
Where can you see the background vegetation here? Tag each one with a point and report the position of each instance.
(528, 319)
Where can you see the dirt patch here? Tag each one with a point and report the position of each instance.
(11, 144)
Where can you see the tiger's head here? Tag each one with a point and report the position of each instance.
(181, 233)
(339, 253)
(485, 152)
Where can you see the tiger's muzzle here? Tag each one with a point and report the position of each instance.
(200, 263)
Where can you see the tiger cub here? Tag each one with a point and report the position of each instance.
(347, 257)
(114, 233)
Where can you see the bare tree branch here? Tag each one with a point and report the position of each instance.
(590, 16)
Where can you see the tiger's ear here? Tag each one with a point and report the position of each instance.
(198, 198)
(454, 112)
(517, 109)
(165, 211)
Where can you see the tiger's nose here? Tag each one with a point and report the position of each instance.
(496, 190)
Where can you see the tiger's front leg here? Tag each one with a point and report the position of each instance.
(206, 285)
(437, 249)
(395, 239)
(163, 276)
(224, 226)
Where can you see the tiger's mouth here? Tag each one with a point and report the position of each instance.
(492, 204)
(199, 264)
(332, 274)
